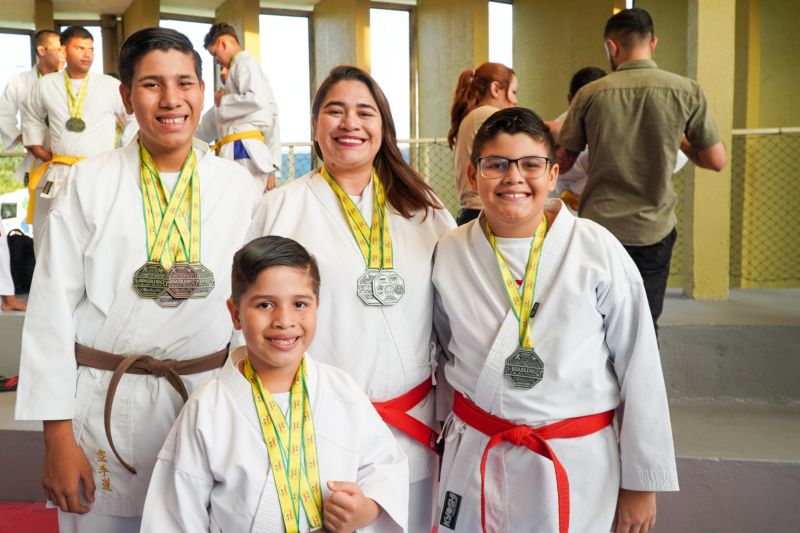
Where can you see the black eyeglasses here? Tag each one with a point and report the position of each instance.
(530, 167)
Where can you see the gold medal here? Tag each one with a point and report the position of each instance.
(151, 280)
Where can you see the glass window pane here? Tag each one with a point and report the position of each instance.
(501, 34)
(285, 58)
(391, 62)
(196, 31)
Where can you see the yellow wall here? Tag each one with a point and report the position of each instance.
(552, 40)
(140, 14)
(780, 63)
(243, 16)
(43, 15)
(341, 36)
(449, 39)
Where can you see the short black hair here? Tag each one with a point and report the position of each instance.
(630, 26)
(514, 120)
(75, 32)
(144, 41)
(267, 252)
(217, 31)
(40, 37)
(584, 76)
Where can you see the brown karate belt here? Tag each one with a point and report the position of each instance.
(170, 369)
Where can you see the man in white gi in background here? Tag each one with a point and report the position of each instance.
(49, 58)
(247, 114)
(545, 320)
(116, 278)
(57, 107)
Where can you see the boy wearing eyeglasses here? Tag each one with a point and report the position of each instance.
(548, 337)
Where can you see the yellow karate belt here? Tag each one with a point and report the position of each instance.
(250, 134)
(35, 176)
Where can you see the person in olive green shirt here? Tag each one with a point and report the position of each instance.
(634, 121)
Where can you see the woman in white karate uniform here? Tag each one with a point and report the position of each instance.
(376, 320)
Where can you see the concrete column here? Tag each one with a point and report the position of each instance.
(712, 39)
(111, 44)
(43, 15)
(451, 37)
(552, 40)
(671, 20)
(341, 36)
(140, 14)
(243, 16)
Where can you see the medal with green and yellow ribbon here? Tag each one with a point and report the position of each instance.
(380, 284)
(292, 449)
(75, 103)
(173, 271)
(523, 368)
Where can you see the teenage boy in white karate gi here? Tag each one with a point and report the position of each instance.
(247, 114)
(545, 321)
(131, 285)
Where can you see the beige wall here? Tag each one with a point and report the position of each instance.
(671, 20)
(243, 16)
(43, 15)
(449, 39)
(552, 40)
(140, 14)
(341, 36)
(779, 104)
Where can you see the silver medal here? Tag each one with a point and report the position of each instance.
(388, 287)
(364, 287)
(524, 368)
(168, 301)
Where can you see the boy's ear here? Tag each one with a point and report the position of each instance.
(126, 99)
(234, 311)
(472, 176)
(553, 177)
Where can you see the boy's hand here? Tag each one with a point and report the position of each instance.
(65, 466)
(271, 182)
(218, 96)
(347, 509)
(636, 511)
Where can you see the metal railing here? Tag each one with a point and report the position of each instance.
(765, 202)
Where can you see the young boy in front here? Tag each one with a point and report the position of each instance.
(278, 442)
(108, 300)
(548, 333)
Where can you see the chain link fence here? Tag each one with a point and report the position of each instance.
(765, 208)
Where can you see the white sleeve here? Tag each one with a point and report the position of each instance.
(177, 499)
(8, 114)
(646, 449)
(254, 94)
(207, 128)
(441, 324)
(383, 472)
(34, 115)
(47, 363)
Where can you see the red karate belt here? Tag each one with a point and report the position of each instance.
(535, 439)
(395, 413)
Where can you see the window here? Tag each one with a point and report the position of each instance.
(286, 60)
(390, 49)
(501, 34)
(196, 32)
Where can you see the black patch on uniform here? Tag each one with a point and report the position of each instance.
(452, 503)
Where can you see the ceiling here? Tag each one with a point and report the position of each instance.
(19, 14)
